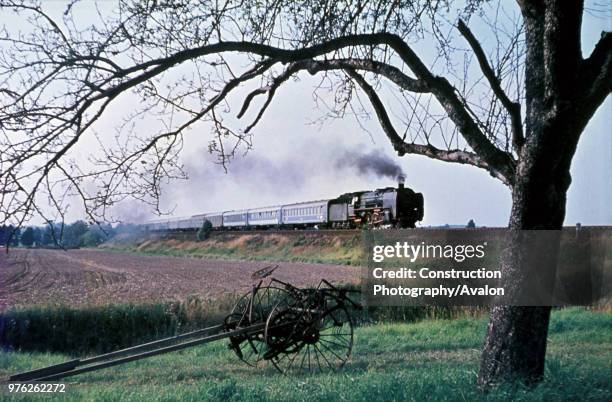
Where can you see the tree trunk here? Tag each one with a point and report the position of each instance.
(515, 348)
(515, 345)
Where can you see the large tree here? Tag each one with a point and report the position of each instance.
(27, 237)
(519, 118)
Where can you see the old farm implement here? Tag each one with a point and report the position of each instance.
(295, 329)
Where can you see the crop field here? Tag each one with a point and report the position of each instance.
(90, 277)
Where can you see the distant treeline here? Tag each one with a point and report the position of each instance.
(73, 235)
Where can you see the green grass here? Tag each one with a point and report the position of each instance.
(87, 330)
(313, 248)
(99, 329)
(428, 360)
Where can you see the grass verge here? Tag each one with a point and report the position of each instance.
(428, 360)
(313, 247)
(98, 329)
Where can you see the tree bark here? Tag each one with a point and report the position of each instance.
(515, 345)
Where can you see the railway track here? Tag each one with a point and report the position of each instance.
(313, 232)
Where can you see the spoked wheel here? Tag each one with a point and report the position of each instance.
(252, 308)
(312, 336)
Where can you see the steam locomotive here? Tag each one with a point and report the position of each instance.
(398, 207)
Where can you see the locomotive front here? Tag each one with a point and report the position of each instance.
(409, 206)
(399, 207)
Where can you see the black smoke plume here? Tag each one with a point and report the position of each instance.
(372, 163)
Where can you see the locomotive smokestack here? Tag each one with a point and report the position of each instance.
(400, 181)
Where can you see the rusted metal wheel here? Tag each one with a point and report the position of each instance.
(310, 335)
(252, 308)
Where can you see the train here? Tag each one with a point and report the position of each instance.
(387, 207)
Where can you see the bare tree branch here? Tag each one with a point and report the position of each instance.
(57, 78)
(596, 74)
(513, 108)
(456, 156)
(450, 101)
(315, 66)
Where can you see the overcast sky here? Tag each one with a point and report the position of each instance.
(295, 160)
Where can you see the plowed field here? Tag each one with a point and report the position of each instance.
(76, 277)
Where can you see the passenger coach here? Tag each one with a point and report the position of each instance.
(387, 207)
